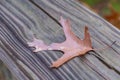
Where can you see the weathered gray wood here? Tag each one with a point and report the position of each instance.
(20, 20)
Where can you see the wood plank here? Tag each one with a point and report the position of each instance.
(20, 20)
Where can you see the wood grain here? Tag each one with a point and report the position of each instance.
(20, 20)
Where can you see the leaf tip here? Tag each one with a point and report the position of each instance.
(86, 28)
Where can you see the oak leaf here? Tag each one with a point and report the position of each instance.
(72, 46)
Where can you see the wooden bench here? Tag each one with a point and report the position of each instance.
(20, 20)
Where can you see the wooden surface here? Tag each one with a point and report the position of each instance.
(20, 20)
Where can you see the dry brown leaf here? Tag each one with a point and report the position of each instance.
(72, 46)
